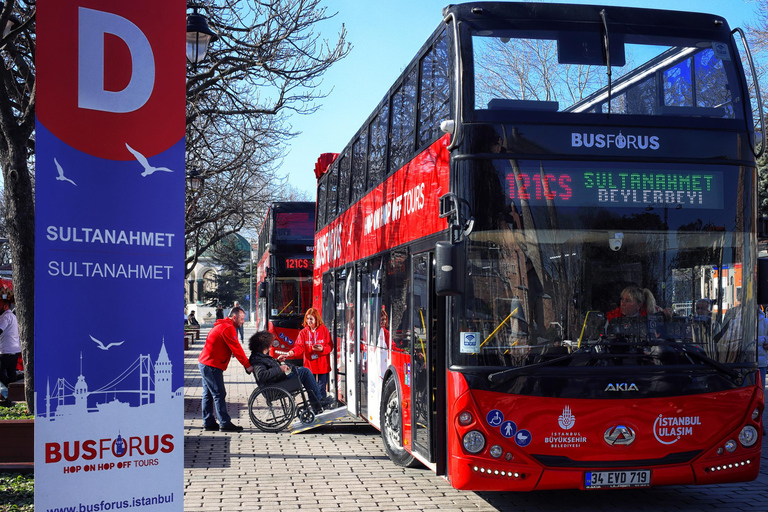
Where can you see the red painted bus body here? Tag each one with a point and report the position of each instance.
(552, 295)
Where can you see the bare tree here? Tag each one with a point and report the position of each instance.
(757, 32)
(5, 248)
(17, 124)
(267, 65)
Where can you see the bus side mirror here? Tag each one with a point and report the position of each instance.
(762, 280)
(262, 290)
(450, 268)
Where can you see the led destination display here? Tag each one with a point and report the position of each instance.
(618, 188)
(292, 262)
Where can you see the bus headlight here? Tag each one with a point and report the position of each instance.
(747, 436)
(474, 441)
(465, 418)
(496, 451)
(730, 445)
(755, 414)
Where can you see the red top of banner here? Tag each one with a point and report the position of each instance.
(112, 73)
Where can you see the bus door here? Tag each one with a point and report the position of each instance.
(352, 298)
(328, 314)
(423, 356)
(340, 338)
(368, 296)
(261, 307)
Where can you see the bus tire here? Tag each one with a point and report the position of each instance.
(392, 427)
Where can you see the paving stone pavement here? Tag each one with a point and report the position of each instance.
(342, 467)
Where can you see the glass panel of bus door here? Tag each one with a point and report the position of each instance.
(261, 314)
(352, 298)
(422, 355)
(338, 382)
(367, 331)
(328, 312)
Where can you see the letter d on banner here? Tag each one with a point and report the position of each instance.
(90, 67)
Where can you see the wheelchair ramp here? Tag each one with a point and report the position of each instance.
(321, 419)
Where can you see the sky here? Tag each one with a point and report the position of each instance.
(385, 37)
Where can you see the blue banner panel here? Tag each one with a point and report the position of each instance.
(109, 271)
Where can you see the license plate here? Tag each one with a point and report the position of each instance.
(609, 479)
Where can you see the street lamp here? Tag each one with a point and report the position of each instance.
(195, 179)
(199, 35)
(194, 183)
(250, 272)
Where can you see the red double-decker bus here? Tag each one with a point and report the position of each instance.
(284, 271)
(538, 254)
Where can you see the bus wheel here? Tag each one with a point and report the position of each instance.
(392, 427)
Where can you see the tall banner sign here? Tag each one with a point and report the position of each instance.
(109, 173)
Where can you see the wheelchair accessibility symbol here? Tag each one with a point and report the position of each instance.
(494, 418)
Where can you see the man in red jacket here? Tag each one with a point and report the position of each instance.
(220, 344)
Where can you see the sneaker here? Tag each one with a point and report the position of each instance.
(230, 427)
(328, 402)
(211, 427)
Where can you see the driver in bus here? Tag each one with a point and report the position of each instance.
(631, 315)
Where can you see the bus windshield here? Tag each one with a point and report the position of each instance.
(291, 295)
(559, 247)
(566, 71)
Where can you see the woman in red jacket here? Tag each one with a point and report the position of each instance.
(315, 343)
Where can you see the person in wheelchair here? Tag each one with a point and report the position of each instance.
(268, 370)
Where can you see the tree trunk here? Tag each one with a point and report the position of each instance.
(20, 221)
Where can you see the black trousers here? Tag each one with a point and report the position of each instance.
(8, 368)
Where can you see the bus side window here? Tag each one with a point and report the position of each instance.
(345, 168)
(359, 158)
(377, 156)
(434, 95)
(332, 191)
(320, 203)
(403, 122)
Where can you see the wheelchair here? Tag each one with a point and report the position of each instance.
(273, 407)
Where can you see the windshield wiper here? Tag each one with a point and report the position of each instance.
(505, 375)
(607, 45)
(509, 374)
(696, 354)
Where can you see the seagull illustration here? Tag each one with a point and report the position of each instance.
(61, 176)
(102, 347)
(148, 169)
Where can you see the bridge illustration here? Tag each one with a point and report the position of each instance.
(142, 384)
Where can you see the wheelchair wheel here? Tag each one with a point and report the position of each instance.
(271, 409)
(305, 414)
